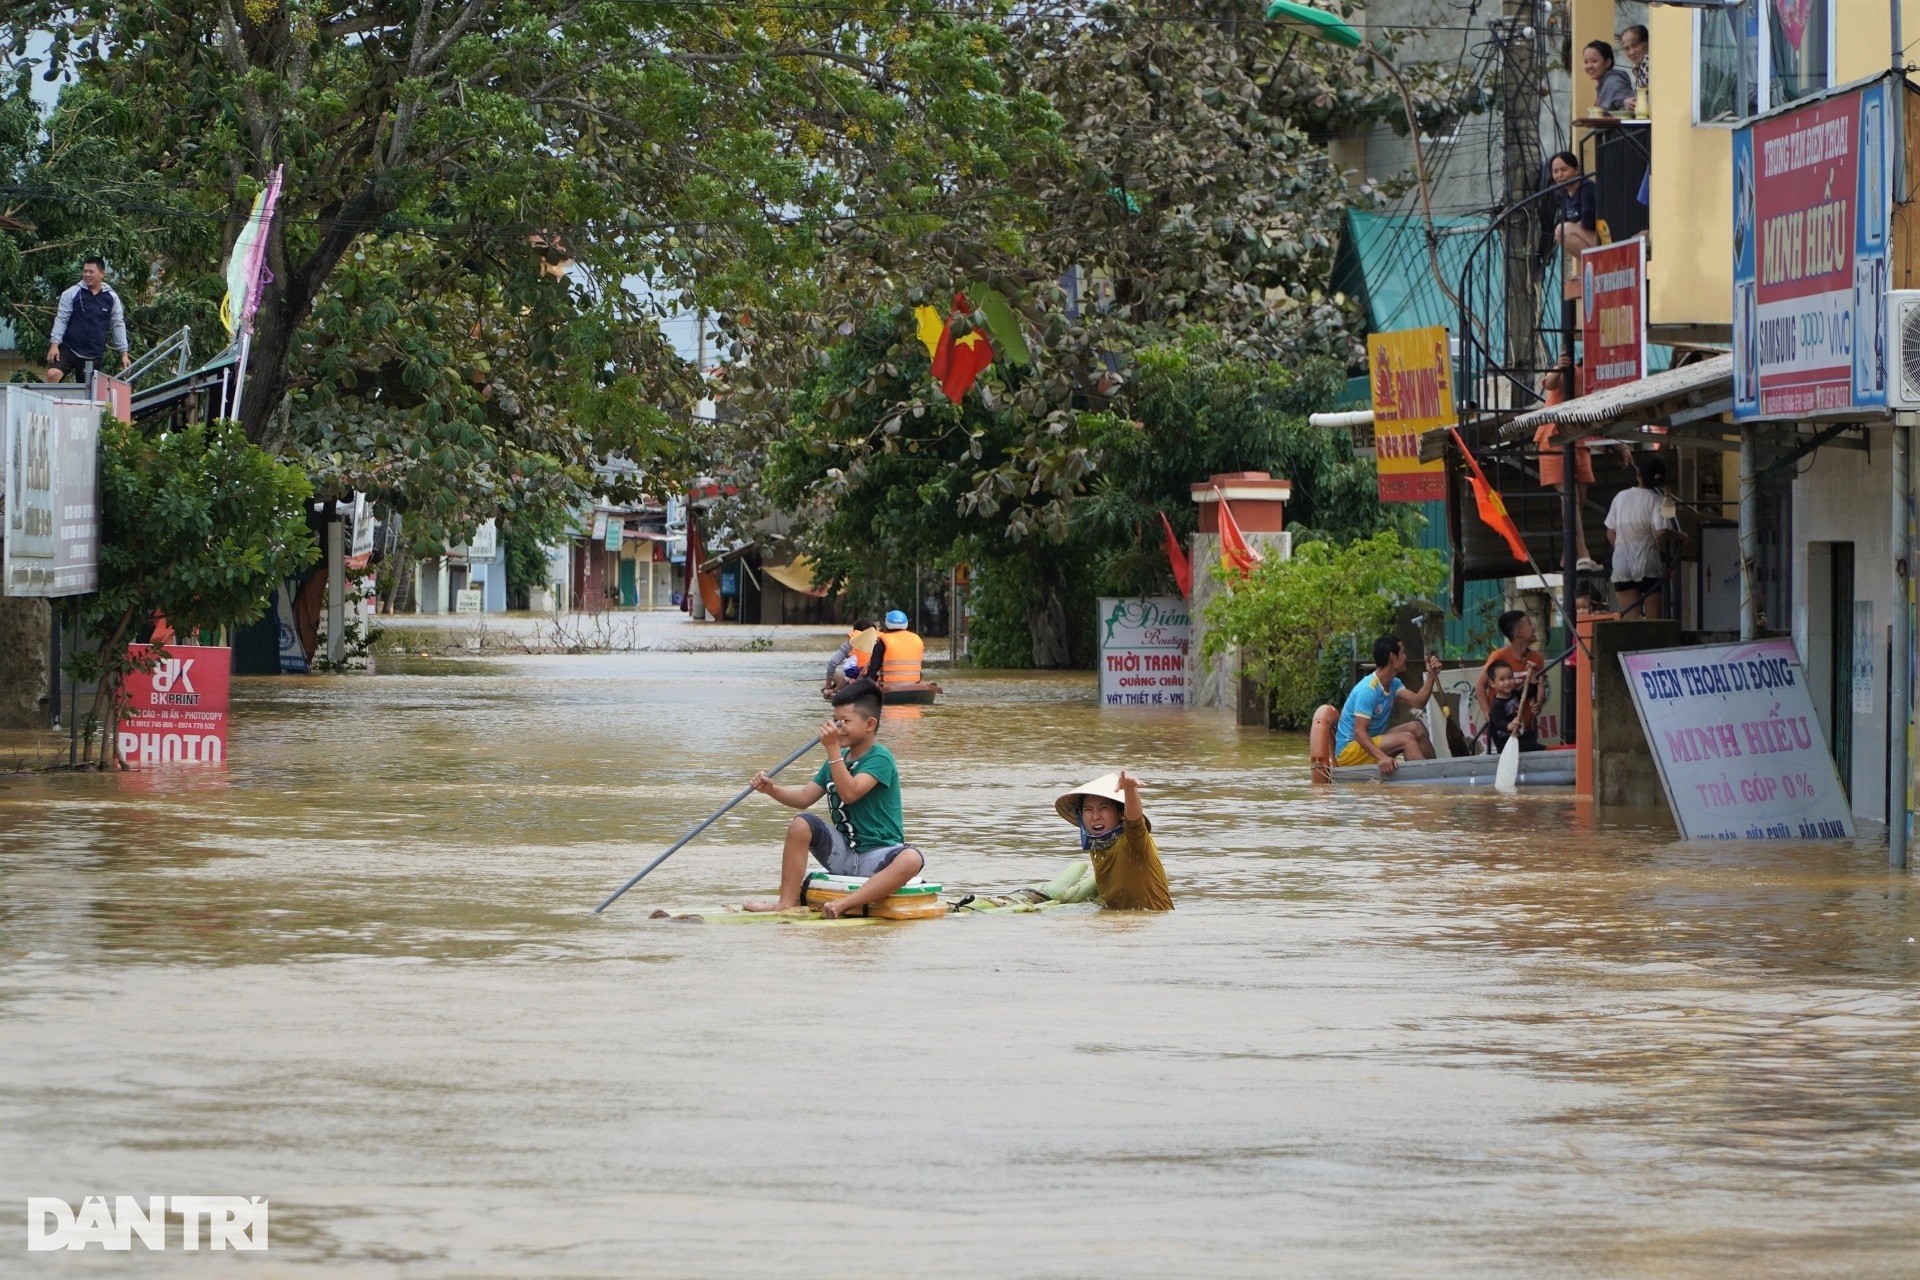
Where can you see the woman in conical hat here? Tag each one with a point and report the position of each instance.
(1119, 842)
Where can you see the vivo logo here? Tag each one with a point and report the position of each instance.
(231, 1222)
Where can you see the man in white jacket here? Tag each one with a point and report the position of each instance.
(90, 316)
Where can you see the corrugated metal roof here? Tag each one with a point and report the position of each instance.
(1655, 395)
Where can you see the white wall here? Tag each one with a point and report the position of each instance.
(1844, 495)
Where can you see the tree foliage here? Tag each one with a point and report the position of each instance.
(489, 203)
(198, 525)
(1283, 614)
(1183, 192)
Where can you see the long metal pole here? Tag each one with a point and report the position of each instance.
(1570, 516)
(716, 816)
(1749, 536)
(1900, 722)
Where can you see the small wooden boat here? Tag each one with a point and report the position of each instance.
(1537, 769)
(919, 693)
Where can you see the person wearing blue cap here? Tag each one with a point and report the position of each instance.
(899, 653)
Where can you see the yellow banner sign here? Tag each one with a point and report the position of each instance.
(1412, 376)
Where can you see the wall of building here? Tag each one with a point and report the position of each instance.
(1844, 495)
(1692, 188)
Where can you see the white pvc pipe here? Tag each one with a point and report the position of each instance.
(1356, 418)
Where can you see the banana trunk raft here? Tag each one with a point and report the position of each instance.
(917, 900)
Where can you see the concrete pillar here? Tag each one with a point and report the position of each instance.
(1624, 772)
(25, 639)
(1899, 768)
(1749, 537)
(336, 592)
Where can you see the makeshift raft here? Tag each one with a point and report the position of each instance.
(1537, 769)
(916, 900)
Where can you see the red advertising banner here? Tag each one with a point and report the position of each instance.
(1613, 297)
(177, 713)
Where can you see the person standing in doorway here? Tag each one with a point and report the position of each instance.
(1637, 526)
(90, 317)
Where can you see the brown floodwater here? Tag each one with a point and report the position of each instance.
(1387, 1032)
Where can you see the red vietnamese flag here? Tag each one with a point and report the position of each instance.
(1234, 551)
(957, 362)
(1182, 567)
(1493, 511)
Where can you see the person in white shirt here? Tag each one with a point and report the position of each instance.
(1637, 526)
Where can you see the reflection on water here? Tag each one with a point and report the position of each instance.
(1385, 1032)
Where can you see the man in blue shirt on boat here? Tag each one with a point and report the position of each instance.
(1363, 734)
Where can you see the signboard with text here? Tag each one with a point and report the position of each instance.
(1613, 316)
(51, 450)
(1811, 206)
(1143, 652)
(177, 711)
(1738, 745)
(1412, 376)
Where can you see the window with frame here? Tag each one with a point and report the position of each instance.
(1759, 54)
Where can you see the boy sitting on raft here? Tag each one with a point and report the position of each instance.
(1119, 842)
(1363, 735)
(866, 836)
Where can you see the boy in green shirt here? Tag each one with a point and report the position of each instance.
(865, 836)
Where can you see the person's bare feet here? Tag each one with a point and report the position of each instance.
(768, 904)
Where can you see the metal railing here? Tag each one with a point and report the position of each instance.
(1510, 330)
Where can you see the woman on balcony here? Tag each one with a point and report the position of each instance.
(1577, 229)
(1613, 87)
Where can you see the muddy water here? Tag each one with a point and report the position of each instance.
(1385, 1033)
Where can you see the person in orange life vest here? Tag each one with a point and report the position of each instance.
(899, 653)
(853, 659)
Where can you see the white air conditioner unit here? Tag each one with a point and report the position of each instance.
(1903, 337)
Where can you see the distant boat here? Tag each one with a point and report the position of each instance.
(918, 693)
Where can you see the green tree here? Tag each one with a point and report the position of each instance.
(488, 204)
(1284, 613)
(198, 525)
(1184, 192)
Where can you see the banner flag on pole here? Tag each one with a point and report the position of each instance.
(247, 272)
(1493, 511)
(1238, 556)
(1182, 567)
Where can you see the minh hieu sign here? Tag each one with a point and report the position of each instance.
(1738, 745)
(1811, 209)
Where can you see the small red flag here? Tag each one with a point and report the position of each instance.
(1177, 558)
(1234, 551)
(1493, 511)
(957, 362)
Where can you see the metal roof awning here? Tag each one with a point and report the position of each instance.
(1687, 394)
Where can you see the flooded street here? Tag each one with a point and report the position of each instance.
(1385, 1033)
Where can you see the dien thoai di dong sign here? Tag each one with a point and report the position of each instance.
(177, 712)
(1412, 377)
(1811, 208)
(1740, 752)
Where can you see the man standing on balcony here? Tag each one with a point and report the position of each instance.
(90, 313)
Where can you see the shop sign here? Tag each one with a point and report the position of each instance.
(467, 599)
(178, 710)
(486, 542)
(1740, 751)
(1613, 324)
(1811, 207)
(1412, 377)
(616, 530)
(51, 451)
(1143, 652)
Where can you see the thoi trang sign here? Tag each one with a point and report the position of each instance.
(1739, 748)
(1143, 652)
